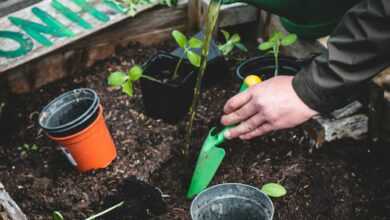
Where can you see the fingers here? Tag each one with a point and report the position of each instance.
(262, 130)
(236, 102)
(245, 127)
(239, 115)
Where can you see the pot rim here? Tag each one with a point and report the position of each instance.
(93, 106)
(192, 208)
(85, 130)
(245, 62)
(169, 83)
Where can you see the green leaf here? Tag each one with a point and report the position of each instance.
(57, 216)
(195, 43)
(241, 47)
(227, 49)
(180, 38)
(266, 46)
(117, 78)
(135, 72)
(128, 88)
(235, 38)
(34, 147)
(289, 39)
(193, 58)
(169, 3)
(226, 35)
(274, 190)
(276, 36)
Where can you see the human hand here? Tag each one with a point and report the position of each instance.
(269, 106)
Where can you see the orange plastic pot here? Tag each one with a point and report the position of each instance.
(91, 148)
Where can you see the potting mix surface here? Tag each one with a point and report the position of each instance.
(345, 180)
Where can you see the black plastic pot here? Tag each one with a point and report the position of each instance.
(217, 68)
(264, 66)
(232, 201)
(386, 121)
(70, 112)
(168, 100)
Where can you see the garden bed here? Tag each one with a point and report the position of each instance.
(342, 181)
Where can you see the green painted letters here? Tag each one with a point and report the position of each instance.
(35, 30)
(116, 6)
(73, 16)
(25, 44)
(85, 6)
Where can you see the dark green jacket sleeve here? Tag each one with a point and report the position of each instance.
(358, 49)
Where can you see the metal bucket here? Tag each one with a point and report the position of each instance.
(232, 201)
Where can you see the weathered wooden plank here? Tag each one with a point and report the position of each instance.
(9, 210)
(229, 15)
(193, 15)
(80, 33)
(146, 28)
(9, 6)
(323, 130)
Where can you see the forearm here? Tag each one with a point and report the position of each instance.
(358, 49)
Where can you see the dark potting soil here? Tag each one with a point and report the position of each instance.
(344, 180)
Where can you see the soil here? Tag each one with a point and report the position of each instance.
(344, 180)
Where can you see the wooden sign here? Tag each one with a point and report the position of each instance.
(51, 24)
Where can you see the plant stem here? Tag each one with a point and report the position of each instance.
(212, 17)
(151, 78)
(176, 73)
(276, 56)
(105, 211)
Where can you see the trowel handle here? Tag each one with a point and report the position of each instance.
(249, 81)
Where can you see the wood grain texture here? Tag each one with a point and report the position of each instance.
(9, 6)
(9, 210)
(229, 15)
(39, 50)
(146, 28)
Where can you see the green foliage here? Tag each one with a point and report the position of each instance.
(133, 5)
(232, 41)
(180, 38)
(125, 81)
(276, 40)
(187, 45)
(26, 149)
(57, 216)
(274, 190)
(169, 3)
(274, 43)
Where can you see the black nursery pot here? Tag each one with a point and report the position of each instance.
(217, 68)
(264, 66)
(168, 100)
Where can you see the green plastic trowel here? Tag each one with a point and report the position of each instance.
(211, 156)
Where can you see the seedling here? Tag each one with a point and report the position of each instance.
(126, 80)
(273, 45)
(58, 216)
(25, 149)
(232, 41)
(187, 46)
(133, 5)
(274, 190)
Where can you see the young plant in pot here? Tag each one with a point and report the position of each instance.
(218, 57)
(166, 81)
(231, 41)
(269, 66)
